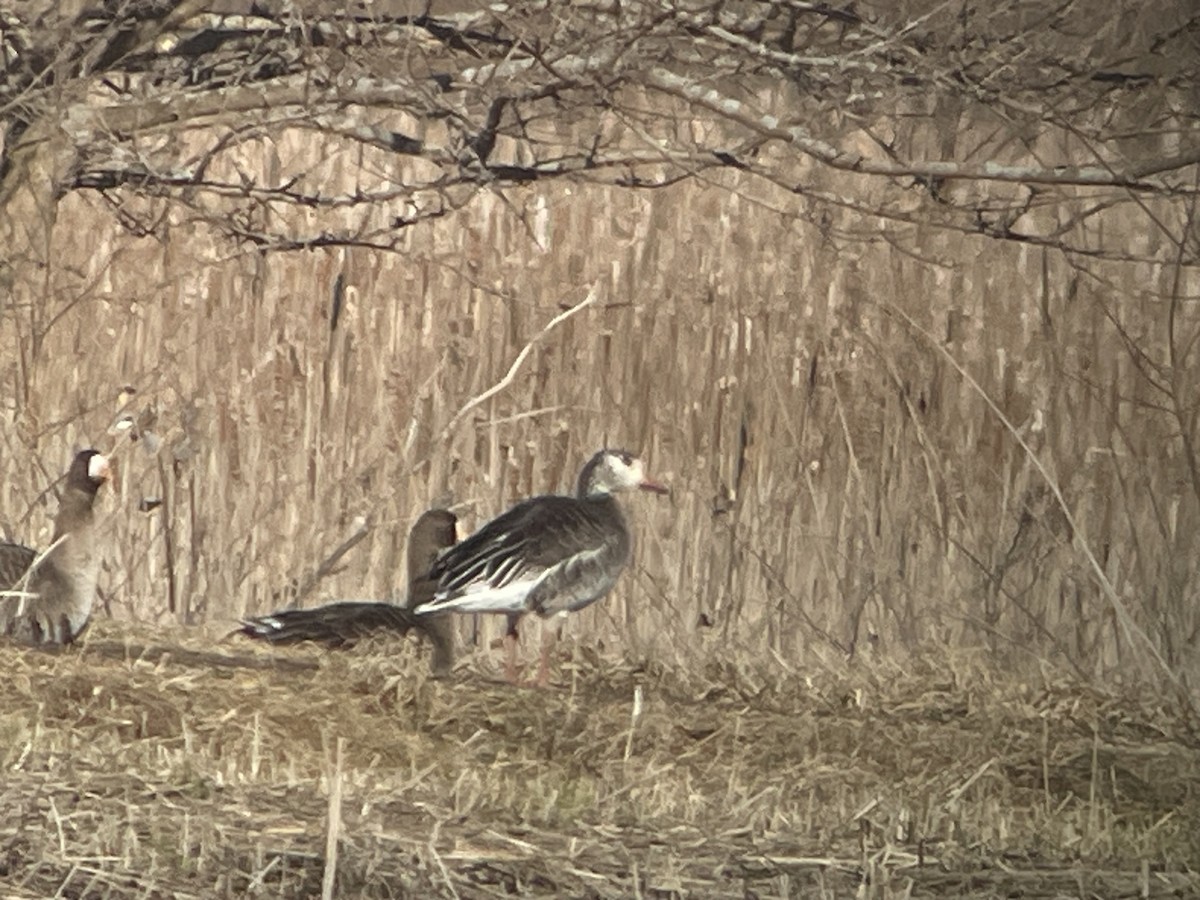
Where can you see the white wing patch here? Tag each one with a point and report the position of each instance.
(572, 584)
(482, 597)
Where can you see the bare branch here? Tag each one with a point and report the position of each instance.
(504, 382)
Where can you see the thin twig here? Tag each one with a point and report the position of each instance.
(438, 861)
(329, 564)
(509, 377)
(21, 590)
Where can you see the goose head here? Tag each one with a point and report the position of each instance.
(611, 470)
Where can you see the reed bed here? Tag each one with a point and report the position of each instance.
(865, 438)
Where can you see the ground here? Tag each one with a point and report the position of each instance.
(169, 765)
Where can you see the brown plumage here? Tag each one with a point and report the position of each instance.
(50, 600)
(342, 624)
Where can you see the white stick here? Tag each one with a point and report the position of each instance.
(504, 382)
(334, 826)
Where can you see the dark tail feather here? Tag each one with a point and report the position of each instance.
(335, 625)
(343, 624)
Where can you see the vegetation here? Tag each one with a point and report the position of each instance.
(899, 297)
(131, 772)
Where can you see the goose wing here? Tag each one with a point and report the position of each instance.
(15, 560)
(500, 567)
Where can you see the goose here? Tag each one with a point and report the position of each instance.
(47, 598)
(342, 624)
(549, 555)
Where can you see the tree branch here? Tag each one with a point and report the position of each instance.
(509, 376)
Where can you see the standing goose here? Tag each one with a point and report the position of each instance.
(48, 600)
(548, 555)
(340, 624)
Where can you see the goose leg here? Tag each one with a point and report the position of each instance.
(511, 640)
(543, 675)
(551, 629)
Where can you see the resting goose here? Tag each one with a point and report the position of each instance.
(49, 600)
(340, 624)
(548, 555)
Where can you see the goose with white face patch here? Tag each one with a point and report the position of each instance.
(48, 598)
(549, 555)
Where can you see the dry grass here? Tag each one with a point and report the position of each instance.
(139, 770)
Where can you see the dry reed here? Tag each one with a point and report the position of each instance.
(836, 481)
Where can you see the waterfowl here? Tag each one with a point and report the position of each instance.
(548, 555)
(48, 598)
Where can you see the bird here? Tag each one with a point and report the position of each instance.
(47, 598)
(549, 555)
(342, 624)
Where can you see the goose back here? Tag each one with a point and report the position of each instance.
(547, 554)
